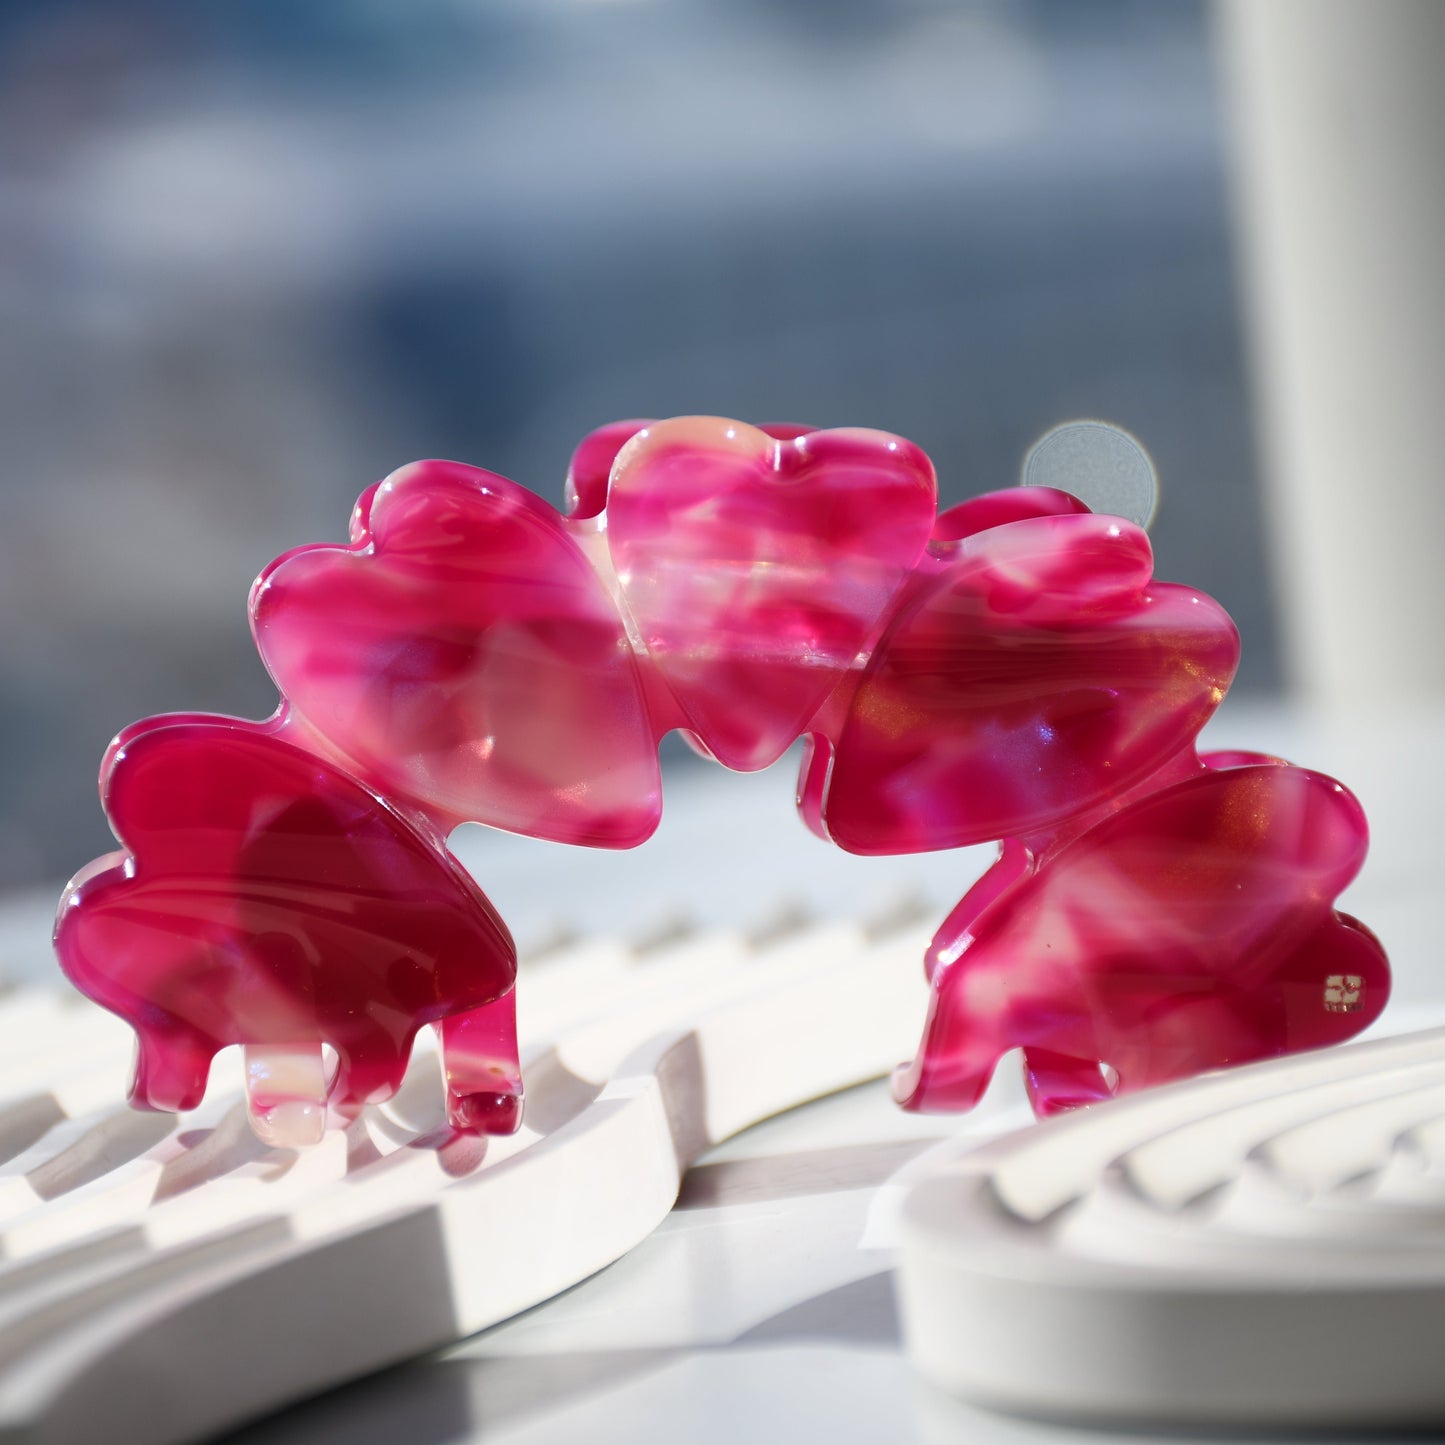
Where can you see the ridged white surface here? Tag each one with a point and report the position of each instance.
(1264, 1246)
(165, 1278)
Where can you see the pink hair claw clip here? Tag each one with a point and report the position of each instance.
(1008, 670)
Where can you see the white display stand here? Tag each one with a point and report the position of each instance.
(165, 1279)
(148, 1267)
(1262, 1247)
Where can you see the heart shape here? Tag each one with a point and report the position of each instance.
(268, 898)
(757, 569)
(1191, 930)
(463, 654)
(590, 470)
(1032, 672)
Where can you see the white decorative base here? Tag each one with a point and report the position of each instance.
(1264, 1246)
(163, 1279)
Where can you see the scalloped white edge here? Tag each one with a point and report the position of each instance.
(1015, 1298)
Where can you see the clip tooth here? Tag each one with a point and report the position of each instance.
(483, 1076)
(286, 1093)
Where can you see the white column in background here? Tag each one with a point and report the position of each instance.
(1338, 129)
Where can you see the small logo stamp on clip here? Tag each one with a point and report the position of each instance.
(1343, 992)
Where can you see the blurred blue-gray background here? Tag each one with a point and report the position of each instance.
(252, 257)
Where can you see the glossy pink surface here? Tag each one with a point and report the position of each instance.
(584, 493)
(1031, 672)
(266, 897)
(993, 509)
(757, 570)
(1191, 930)
(464, 655)
(585, 490)
(1007, 670)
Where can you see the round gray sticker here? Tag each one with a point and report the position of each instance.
(1100, 464)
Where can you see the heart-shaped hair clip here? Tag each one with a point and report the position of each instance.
(1008, 670)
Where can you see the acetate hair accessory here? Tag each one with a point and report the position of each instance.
(1007, 670)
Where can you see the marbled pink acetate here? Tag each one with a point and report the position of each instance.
(1008, 670)
(757, 570)
(1189, 930)
(1032, 672)
(463, 654)
(265, 897)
